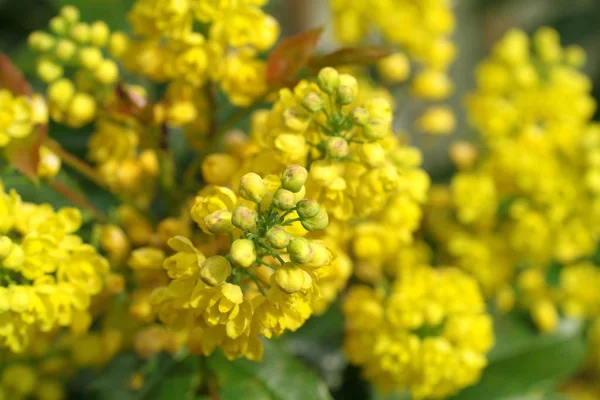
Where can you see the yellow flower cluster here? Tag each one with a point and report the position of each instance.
(77, 47)
(19, 116)
(531, 204)
(48, 274)
(428, 334)
(269, 279)
(167, 48)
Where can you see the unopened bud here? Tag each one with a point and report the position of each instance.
(59, 25)
(375, 129)
(322, 255)
(337, 147)
(49, 71)
(307, 208)
(215, 270)
(219, 222)
(284, 199)
(252, 187)
(318, 222)
(345, 95)
(291, 279)
(107, 72)
(49, 163)
(118, 44)
(328, 80)
(70, 14)
(90, 57)
(99, 32)
(243, 252)
(313, 102)
(61, 92)
(293, 178)
(82, 110)
(300, 251)
(65, 49)
(360, 116)
(278, 237)
(244, 218)
(81, 32)
(296, 119)
(372, 154)
(41, 41)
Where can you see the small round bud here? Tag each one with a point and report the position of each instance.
(90, 57)
(49, 163)
(307, 208)
(118, 44)
(394, 68)
(114, 242)
(99, 33)
(49, 71)
(322, 255)
(80, 32)
(243, 252)
(328, 80)
(61, 92)
(291, 279)
(65, 50)
(41, 41)
(59, 25)
(284, 199)
(375, 129)
(318, 222)
(215, 270)
(81, 110)
(219, 222)
(313, 102)
(293, 178)
(350, 82)
(70, 14)
(244, 218)
(107, 72)
(252, 187)
(437, 120)
(345, 95)
(380, 109)
(360, 116)
(278, 237)
(337, 147)
(300, 251)
(296, 119)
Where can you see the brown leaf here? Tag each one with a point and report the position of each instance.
(12, 78)
(350, 56)
(24, 154)
(290, 56)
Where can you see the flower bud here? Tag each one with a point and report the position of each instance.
(114, 242)
(90, 57)
(372, 154)
(243, 252)
(296, 119)
(328, 80)
(215, 270)
(219, 222)
(61, 92)
(107, 72)
(252, 187)
(313, 102)
(49, 163)
(118, 44)
(278, 237)
(463, 154)
(59, 25)
(360, 116)
(293, 178)
(376, 129)
(49, 71)
(394, 68)
(307, 208)
(80, 32)
(322, 255)
(380, 109)
(82, 110)
(41, 41)
(284, 199)
(437, 120)
(319, 221)
(244, 218)
(65, 50)
(337, 147)
(300, 251)
(345, 95)
(291, 279)
(99, 32)
(70, 14)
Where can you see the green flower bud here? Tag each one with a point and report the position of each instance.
(243, 252)
(107, 72)
(291, 279)
(41, 41)
(49, 71)
(278, 237)
(219, 222)
(300, 251)
(328, 80)
(345, 95)
(215, 270)
(252, 187)
(65, 49)
(360, 116)
(99, 33)
(337, 147)
(375, 129)
(307, 208)
(293, 178)
(90, 57)
(244, 218)
(313, 102)
(81, 32)
(59, 25)
(284, 199)
(318, 222)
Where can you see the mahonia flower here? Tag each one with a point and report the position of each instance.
(20, 114)
(269, 279)
(48, 274)
(429, 335)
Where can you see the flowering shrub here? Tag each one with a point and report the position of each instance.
(239, 201)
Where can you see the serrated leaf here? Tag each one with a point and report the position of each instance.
(350, 56)
(526, 363)
(278, 376)
(290, 56)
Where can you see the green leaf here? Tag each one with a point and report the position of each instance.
(278, 376)
(526, 363)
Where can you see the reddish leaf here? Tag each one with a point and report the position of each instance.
(350, 55)
(12, 78)
(24, 154)
(290, 56)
